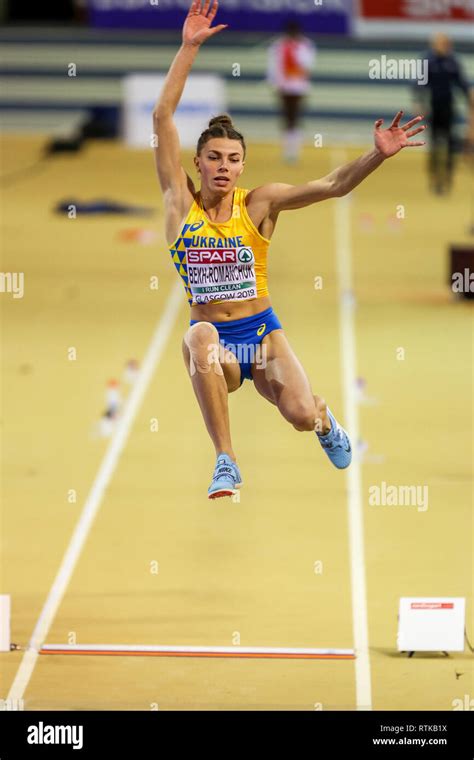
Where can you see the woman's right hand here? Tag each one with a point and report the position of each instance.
(197, 27)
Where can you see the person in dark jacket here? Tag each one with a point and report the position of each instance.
(437, 96)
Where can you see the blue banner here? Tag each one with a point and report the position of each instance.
(315, 16)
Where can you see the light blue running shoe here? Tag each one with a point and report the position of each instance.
(336, 444)
(227, 478)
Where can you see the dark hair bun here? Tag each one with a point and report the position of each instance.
(223, 120)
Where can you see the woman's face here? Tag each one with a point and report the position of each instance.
(220, 164)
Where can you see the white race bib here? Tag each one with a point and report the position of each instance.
(216, 274)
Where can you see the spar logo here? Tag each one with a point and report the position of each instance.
(245, 255)
(220, 256)
(212, 256)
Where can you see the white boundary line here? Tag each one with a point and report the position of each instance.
(351, 422)
(94, 498)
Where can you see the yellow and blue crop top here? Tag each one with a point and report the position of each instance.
(221, 261)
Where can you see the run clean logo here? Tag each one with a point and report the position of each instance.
(41, 734)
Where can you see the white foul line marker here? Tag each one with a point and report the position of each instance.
(5, 640)
(197, 651)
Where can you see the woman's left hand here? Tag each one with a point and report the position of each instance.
(390, 141)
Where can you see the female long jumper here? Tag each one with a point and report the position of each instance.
(218, 238)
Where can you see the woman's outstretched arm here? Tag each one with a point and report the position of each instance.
(177, 187)
(388, 142)
(166, 139)
(196, 30)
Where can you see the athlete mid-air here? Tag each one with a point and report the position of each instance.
(219, 237)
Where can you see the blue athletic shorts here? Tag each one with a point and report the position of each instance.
(244, 336)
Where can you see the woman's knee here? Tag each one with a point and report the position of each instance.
(201, 334)
(201, 347)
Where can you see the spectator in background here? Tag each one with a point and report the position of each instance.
(290, 60)
(445, 76)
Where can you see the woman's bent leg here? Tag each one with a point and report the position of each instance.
(212, 381)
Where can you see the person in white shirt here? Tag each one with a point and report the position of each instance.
(290, 61)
